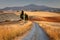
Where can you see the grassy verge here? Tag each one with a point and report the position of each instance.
(10, 31)
(52, 31)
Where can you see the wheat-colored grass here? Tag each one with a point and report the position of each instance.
(42, 14)
(37, 13)
(10, 31)
(52, 29)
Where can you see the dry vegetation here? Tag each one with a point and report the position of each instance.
(37, 13)
(52, 29)
(10, 30)
(49, 19)
(42, 14)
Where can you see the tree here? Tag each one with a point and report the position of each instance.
(22, 14)
(26, 16)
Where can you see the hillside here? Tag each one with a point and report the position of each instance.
(9, 17)
(34, 7)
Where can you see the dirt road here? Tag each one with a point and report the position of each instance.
(36, 33)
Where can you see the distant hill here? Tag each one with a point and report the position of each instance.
(33, 7)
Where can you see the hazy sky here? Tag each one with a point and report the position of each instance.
(9, 3)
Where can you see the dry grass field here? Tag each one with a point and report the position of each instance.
(37, 13)
(42, 14)
(10, 30)
(52, 29)
(49, 21)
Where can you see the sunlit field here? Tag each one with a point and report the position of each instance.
(49, 21)
(36, 13)
(52, 29)
(42, 14)
(11, 30)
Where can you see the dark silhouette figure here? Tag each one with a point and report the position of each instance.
(22, 14)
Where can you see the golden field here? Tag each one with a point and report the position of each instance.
(52, 29)
(42, 14)
(49, 21)
(37, 13)
(10, 30)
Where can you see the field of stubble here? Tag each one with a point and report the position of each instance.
(10, 30)
(50, 22)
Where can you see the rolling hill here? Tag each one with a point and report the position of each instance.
(33, 7)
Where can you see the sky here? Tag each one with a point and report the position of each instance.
(17, 3)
